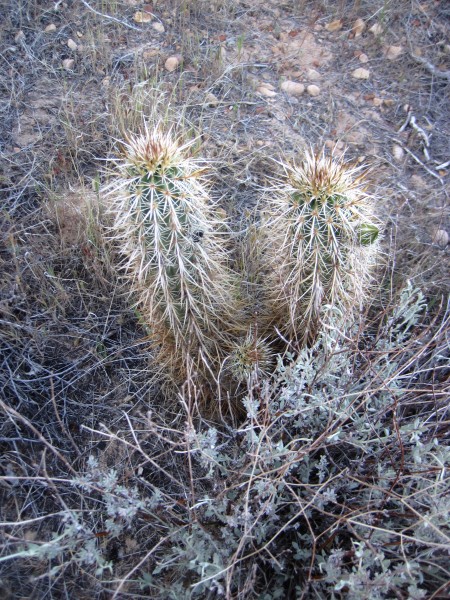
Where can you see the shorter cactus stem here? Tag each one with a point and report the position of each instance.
(250, 357)
(323, 242)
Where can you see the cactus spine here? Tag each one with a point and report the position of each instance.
(172, 242)
(322, 236)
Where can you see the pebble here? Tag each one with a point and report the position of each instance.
(159, 27)
(313, 75)
(50, 28)
(72, 45)
(363, 58)
(313, 90)
(358, 27)
(440, 237)
(376, 29)
(68, 64)
(361, 73)
(292, 88)
(398, 153)
(392, 52)
(172, 63)
(265, 90)
(334, 25)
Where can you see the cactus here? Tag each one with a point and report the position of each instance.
(250, 357)
(172, 239)
(322, 236)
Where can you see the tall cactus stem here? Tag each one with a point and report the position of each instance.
(172, 240)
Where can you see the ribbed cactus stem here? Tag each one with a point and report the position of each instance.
(174, 255)
(250, 357)
(323, 243)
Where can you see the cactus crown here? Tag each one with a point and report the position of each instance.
(329, 203)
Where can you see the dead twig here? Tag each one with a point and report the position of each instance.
(417, 159)
(430, 67)
(421, 134)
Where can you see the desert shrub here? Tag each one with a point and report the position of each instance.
(335, 483)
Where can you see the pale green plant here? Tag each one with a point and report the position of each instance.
(322, 235)
(173, 240)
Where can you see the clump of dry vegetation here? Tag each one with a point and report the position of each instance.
(324, 471)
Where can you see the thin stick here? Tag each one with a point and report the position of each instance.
(430, 171)
(430, 67)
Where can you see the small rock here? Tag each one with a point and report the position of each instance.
(150, 53)
(292, 88)
(333, 145)
(72, 45)
(79, 34)
(313, 90)
(377, 101)
(440, 237)
(50, 28)
(361, 73)
(358, 27)
(68, 64)
(363, 58)
(142, 17)
(106, 81)
(392, 52)
(418, 182)
(376, 29)
(211, 100)
(265, 90)
(313, 75)
(159, 27)
(398, 153)
(172, 63)
(334, 25)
